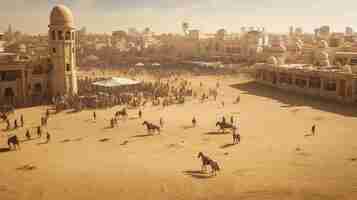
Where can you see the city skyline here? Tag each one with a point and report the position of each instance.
(167, 16)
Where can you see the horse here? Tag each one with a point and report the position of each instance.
(208, 161)
(223, 126)
(14, 142)
(122, 113)
(151, 127)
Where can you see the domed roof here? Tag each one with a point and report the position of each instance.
(272, 60)
(323, 55)
(61, 15)
(323, 44)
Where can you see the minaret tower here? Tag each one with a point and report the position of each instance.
(63, 79)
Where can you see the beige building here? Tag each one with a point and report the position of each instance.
(28, 80)
(62, 51)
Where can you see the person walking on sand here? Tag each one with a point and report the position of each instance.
(39, 131)
(140, 113)
(194, 121)
(47, 113)
(224, 120)
(8, 124)
(161, 122)
(313, 128)
(22, 120)
(15, 124)
(28, 135)
(94, 115)
(48, 137)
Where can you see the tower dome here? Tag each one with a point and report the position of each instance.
(272, 61)
(323, 44)
(61, 15)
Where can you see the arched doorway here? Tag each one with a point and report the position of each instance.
(37, 94)
(38, 88)
(9, 96)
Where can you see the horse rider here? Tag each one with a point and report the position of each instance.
(223, 120)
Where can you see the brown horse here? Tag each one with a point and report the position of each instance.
(121, 113)
(151, 127)
(208, 161)
(223, 126)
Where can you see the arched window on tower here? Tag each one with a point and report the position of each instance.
(73, 36)
(68, 35)
(60, 35)
(53, 35)
(68, 67)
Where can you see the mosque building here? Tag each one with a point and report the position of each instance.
(27, 80)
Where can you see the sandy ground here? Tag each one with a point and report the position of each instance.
(273, 161)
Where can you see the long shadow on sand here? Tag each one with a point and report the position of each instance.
(4, 150)
(185, 127)
(197, 174)
(216, 133)
(42, 143)
(291, 99)
(27, 140)
(141, 136)
(226, 145)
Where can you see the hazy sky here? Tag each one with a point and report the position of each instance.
(167, 15)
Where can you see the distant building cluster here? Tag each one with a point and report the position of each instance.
(38, 67)
(323, 64)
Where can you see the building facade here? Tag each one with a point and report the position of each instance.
(31, 80)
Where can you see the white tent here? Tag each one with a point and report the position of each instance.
(92, 58)
(116, 82)
(156, 64)
(139, 64)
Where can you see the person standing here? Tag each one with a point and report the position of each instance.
(22, 120)
(94, 115)
(15, 124)
(140, 113)
(224, 120)
(8, 126)
(161, 122)
(47, 113)
(194, 121)
(232, 120)
(28, 135)
(313, 129)
(39, 131)
(48, 137)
